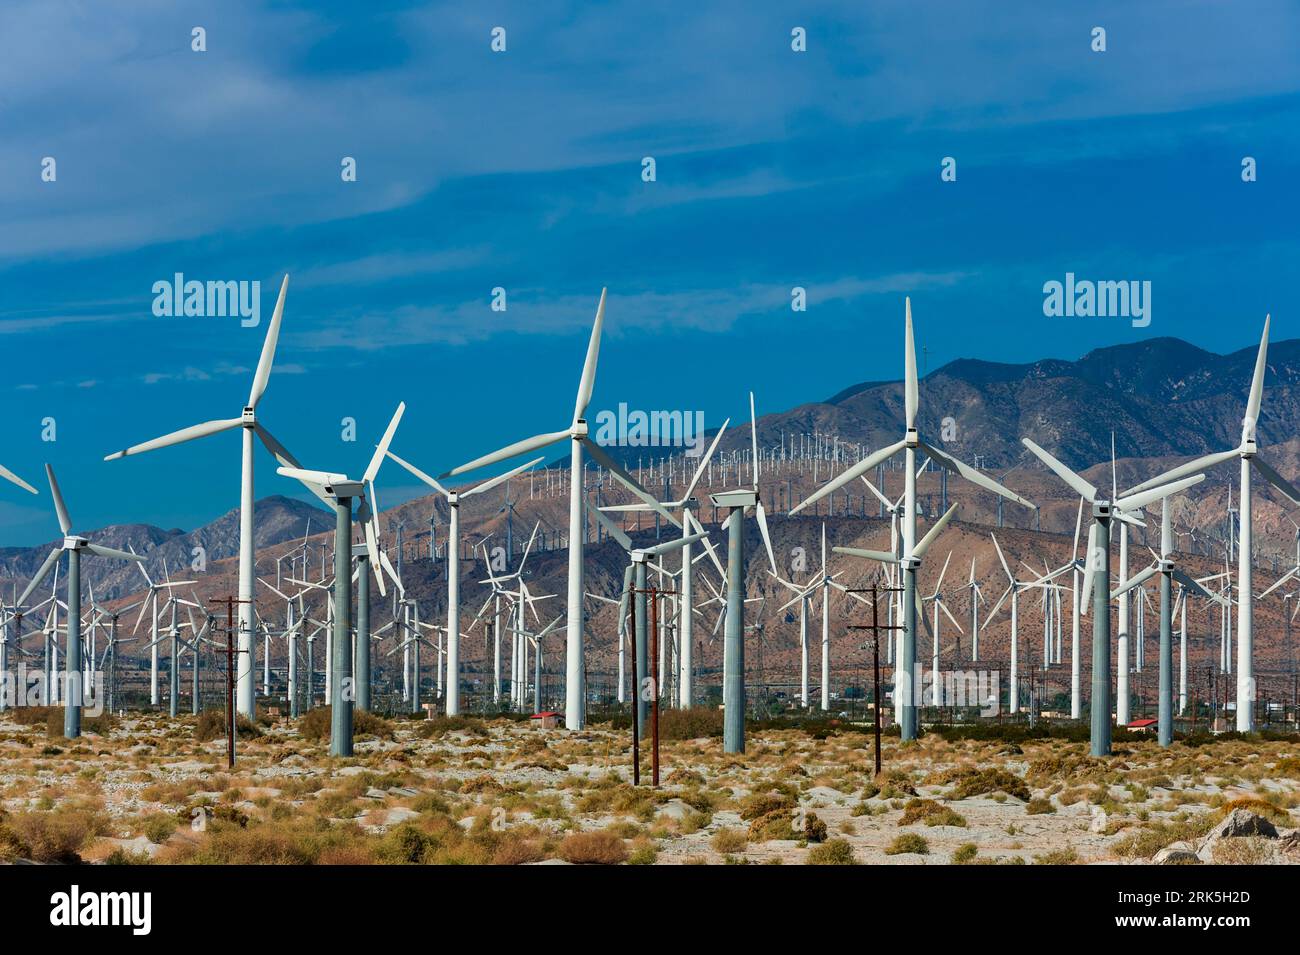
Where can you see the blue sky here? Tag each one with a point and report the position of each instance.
(522, 170)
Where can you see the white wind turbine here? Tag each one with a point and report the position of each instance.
(976, 596)
(247, 421)
(342, 490)
(1125, 509)
(936, 693)
(575, 716)
(910, 443)
(689, 524)
(73, 544)
(1248, 454)
(453, 566)
(150, 604)
(910, 561)
(1165, 567)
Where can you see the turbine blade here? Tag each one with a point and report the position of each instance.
(753, 433)
(883, 556)
(1275, 479)
(704, 461)
(1081, 487)
(177, 437)
(1278, 583)
(629, 482)
(510, 451)
(60, 508)
(376, 459)
(1089, 570)
(263, 373)
(761, 516)
(934, 532)
(668, 546)
(974, 476)
(493, 482)
(588, 381)
(103, 551)
(1194, 466)
(1256, 385)
(46, 566)
(421, 475)
(1010, 576)
(15, 479)
(1143, 498)
(307, 476)
(1142, 577)
(912, 395)
(615, 531)
(862, 467)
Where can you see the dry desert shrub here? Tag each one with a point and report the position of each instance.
(931, 813)
(728, 841)
(832, 852)
(57, 835)
(593, 848)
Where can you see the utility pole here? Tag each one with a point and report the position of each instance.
(875, 629)
(231, 650)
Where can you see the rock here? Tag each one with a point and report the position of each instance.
(675, 809)
(373, 793)
(400, 814)
(825, 794)
(550, 862)
(403, 792)
(136, 846)
(1174, 853)
(1238, 824)
(1099, 820)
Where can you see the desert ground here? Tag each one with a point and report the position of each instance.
(147, 789)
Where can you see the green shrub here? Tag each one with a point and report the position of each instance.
(832, 852)
(908, 843)
(965, 853)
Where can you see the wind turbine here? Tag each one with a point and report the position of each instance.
(640, 555)
(1098, 562)
(1164, 566)
(976, 596)
(247, 421)
(453, 566)
(733, 645)
(911, 442)
(937, 599)
(343, 490)
(686, 668)
(575, 716)
(73, 545)
(1248, 454)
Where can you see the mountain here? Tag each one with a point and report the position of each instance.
(278, 519)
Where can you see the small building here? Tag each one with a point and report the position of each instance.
(1142, 726)
(548, 720)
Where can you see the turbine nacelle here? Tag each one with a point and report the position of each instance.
(74, 542)
(733, 499)
(248, 417)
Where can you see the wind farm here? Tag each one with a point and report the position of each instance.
(711, 644)
(661, 435)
